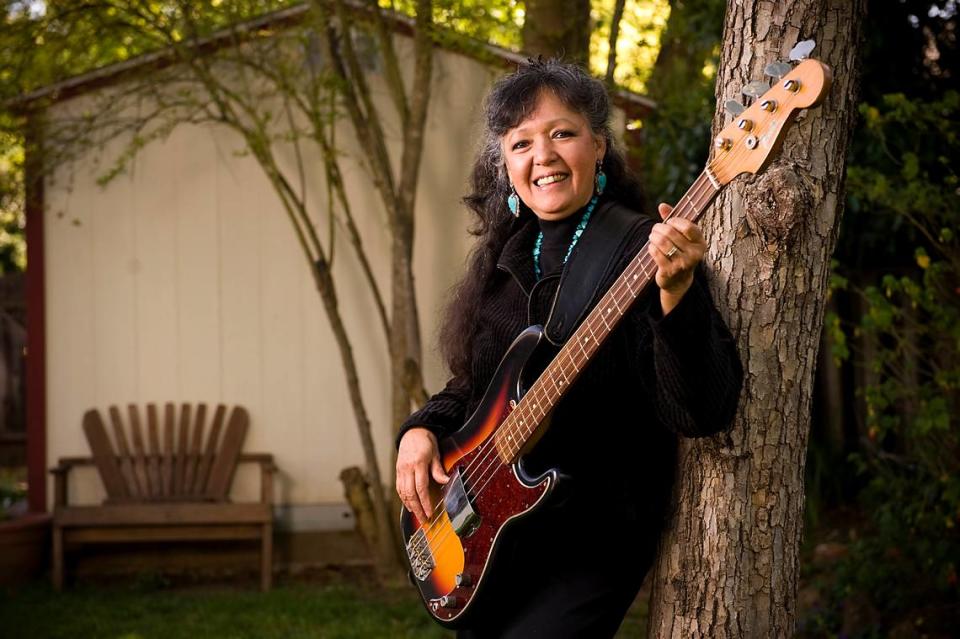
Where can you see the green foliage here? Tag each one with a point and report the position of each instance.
(498, 22)
(13, 489)
(70, 37)
(904, 176)
(638, 43)
(13, 250)
(676, 137)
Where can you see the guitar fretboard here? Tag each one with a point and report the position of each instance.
(575, 355)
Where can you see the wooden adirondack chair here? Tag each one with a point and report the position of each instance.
(175, 492)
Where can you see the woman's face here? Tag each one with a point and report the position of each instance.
(551, 158)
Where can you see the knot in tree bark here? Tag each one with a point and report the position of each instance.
(775, 203)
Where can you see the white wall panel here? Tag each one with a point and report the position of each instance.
(157, 297)
(71, 347)
(196, 217)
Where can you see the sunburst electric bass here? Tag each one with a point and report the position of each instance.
(452, 553)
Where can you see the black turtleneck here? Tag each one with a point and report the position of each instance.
(557, 235)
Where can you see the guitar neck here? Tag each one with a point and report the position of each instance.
(574, 356)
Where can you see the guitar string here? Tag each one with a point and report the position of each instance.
(639, 263)
(490, 455)
(612, 300)
(693, 190)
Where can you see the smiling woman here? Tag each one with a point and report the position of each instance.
(495, 557)
(553, 158)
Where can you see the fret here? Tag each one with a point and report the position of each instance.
(603, 318)
(566, 373)
(593, 335)
(576, 339)
(553, 378)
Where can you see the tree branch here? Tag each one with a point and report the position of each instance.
(614, 36)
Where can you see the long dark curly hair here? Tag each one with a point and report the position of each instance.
(511, 100)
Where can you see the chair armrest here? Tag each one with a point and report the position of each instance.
(267, 469)
(67, 463)
(60, 472)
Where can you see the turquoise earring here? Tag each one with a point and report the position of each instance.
(601, 179)
(513, 202)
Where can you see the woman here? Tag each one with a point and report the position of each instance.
(548, 173)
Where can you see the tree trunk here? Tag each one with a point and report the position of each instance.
(612, 43)
(552, 28)
(728, 565)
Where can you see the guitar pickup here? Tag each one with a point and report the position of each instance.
(456, 502)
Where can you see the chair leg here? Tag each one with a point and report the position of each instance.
(57, 569)
(266, 558)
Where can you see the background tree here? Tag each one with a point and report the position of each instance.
(729, 562)
(889, 459)
(674, 138)
(552, 28)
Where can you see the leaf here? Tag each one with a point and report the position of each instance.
(911, 166)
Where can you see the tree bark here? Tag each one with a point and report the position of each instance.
(552, 28)
(728, 564)
(405, 343)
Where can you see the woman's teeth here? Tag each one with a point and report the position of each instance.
(550, 179)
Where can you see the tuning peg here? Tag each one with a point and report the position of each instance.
(777, 69)
(755, 89)
(733, 107)
(802, 50)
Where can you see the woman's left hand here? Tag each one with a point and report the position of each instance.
(677, 246)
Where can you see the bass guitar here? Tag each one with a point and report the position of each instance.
(452, 553)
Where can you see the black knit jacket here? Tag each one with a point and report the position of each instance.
(614, 433)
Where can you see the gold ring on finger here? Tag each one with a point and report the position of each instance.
(672, 252)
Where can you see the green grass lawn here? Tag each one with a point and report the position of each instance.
(148, 610)
(144, 612)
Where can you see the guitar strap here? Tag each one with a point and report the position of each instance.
(595, 255)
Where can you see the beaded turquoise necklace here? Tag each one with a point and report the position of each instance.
(573, 242)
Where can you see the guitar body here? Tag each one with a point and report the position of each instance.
(450, 568)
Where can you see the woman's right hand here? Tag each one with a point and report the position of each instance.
(418, 460)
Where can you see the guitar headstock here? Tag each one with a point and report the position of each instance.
(749, 142)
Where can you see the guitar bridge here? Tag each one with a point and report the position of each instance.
(420, 555)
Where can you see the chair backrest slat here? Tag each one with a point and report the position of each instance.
(206, 462)
(134, 490)
(153, 459)
(179, 466)
(140, 452)
(166, 466)
(104, 456)
(196, 450)
(225, 461)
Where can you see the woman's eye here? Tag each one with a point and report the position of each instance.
(563, 133)
(519, 145)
